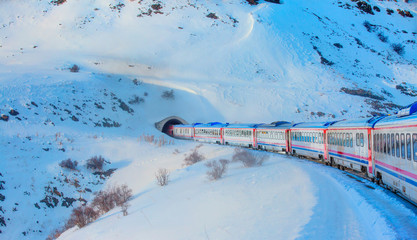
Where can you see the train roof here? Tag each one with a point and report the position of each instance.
(319, 125)
(183, 125)
(243, 125)
(407, 115)
(210, 125)
(358, 122)
(276, 125)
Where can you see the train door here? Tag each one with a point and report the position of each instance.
(221, 136)
(287, 140)
(368, 148)
(170, 131)
(255, 145)
(326, 150)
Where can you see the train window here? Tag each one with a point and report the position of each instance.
(397, 144)
(402, 146)
(388, 144)
(380, 143)
(408, 142)
(362, 140)
(392, 145)
(377, 142)
(347, 140)
(374, 142)
(415, 147)
(336, 139)
(385, 143)
(340, 142)
(357, 139)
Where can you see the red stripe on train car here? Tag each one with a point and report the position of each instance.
(398, 170)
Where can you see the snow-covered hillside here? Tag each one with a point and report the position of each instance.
(225, 61)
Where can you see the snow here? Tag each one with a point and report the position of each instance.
(253, 64)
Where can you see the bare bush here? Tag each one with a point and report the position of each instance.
(382, 37)
(193, 158)
(253, 2)
(58, 2)
(216, 169)
(136, 100)
(159, 141)
(75, 68)
(398, 48)
(168, 95)
(103, 201)
(124, 207)
(111, 197)
(82, 216)
(122, 194)
(162, 177)
(96, 163)
(247, 158)
(70, 164)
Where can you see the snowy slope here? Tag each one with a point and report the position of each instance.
(252, 64)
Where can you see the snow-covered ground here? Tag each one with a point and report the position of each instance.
(244, 63)
(286, 198)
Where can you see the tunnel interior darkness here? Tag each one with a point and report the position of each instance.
(169, 123)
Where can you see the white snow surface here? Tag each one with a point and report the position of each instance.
(253, 64)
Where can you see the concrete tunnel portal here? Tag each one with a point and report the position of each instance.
(165, 123)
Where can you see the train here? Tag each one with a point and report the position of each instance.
(381, 148)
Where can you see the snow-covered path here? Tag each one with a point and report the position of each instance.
(352, 208)
(286, 198)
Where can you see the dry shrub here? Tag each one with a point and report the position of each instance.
(58, 2)
(253, 2)
(162, 177)
(216, 168)
(75, 68)
(398, 48)
(69, 164)
(158, 141)
(193, 158)
(96, 163)
(108, 199)
(82, 216)
(124, 207)
(247, 158)
(168, 95)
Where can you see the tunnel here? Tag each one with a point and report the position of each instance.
(165, 123)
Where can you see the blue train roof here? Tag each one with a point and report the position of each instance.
(243, 125)
(184, 125)
(210, 125)
(319, 125)
(276, 125)
(359, 122)
(407, 115)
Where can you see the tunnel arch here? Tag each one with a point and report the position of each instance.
(165, 123)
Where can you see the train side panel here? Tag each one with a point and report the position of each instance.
(307, 142)
(349, 148)
(271, 139)
(395, 155)
(183, 131)
(208, 134)
(239, 136)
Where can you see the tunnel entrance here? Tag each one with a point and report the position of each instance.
(164, 124)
